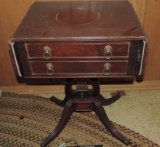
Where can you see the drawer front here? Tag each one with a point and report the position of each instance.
(75, 50)
(82, 68)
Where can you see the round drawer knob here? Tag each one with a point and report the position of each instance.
(50, 69)
(107, 69)
(47, 52)
(108, 52)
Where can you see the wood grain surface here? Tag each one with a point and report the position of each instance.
(12, 12)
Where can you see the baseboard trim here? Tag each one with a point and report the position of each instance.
(58, 89)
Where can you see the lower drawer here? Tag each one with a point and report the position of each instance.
(79, 68)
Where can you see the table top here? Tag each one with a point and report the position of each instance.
(80, 21)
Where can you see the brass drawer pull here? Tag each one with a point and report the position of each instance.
(108, 52)
(107, 69)
(50, 69)
(47, 52)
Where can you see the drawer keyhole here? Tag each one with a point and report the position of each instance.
(50, 69)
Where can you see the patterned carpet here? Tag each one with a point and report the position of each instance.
(25, 120)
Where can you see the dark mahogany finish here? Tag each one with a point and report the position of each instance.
(60, 33)
(76, 40)
(84, 99)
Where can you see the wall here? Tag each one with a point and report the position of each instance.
(152, 28)
(12, 12)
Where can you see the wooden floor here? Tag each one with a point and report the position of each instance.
(146, 85)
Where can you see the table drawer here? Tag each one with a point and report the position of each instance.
(82, 68)
(74, 50)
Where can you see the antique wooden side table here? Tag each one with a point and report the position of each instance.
(80, 41)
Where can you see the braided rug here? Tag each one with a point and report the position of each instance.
(25, 120)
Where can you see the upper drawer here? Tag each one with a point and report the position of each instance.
(76, 50)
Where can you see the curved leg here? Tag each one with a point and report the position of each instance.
(99, 110)
(109, 101)
(58, 101)
(68, 87)
(66, 114)
(97, 95)
(96, 87)
(68, 93)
